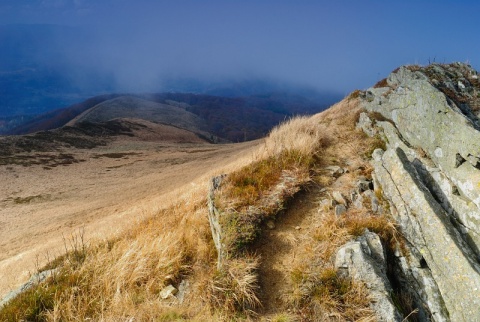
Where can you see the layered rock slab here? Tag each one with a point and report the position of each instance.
(427, 227)
(430, 175)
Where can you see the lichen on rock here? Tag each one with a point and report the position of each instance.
(430, 174)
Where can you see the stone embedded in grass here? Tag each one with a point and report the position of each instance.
(326, 204)
(183, 289)
(168, 291)
(34, 280)
(335, 170)
(340, 210)
(357, 200)
(338, 197)
(364, 185)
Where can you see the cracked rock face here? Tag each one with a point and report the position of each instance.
(430, 175)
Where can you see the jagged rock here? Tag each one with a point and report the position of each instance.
(462, 213)
(340, 210)
(369, 96)
(214, 219)
(366, 124)
(364, 260)
(335, 170)
(168, 291)
(364, 185)
(426, 226)
(430, 176)
(338, 197)
(374, 203)
(326, 203)
(425, 117)
(182, 290)
(358, 201)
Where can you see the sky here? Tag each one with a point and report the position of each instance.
(336, 45)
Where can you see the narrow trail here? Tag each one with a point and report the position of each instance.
(281, 249)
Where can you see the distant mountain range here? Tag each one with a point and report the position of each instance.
(215, 118)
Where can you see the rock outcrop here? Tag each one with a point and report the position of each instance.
(364, 260)
(214, 220)
(34, 280)
(430, 177)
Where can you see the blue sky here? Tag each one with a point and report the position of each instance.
(335, 45)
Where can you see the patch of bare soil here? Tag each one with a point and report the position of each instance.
(108, 189)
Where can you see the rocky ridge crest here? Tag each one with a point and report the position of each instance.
(429, 176)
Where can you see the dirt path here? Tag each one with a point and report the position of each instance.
(112, 188)
(281, 249)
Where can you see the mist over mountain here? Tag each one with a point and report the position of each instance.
(40, 69)
(46, 67)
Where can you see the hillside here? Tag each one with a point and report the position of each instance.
(232, 119)
(95, 179)
(367, 211)
(57, 118)
(132, 107)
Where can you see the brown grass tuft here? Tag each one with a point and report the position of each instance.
(354, 95)
(233, 288)
(381, 83)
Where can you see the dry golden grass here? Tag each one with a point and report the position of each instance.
(333, 298)
(283, 165)
(302, 134)
(317, 291)
(291, 149)
(120, 279)
(233, 288)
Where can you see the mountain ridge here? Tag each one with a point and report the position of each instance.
(366, 211)
(232, 119)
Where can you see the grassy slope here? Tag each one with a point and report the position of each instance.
(133, 107)
(121, 279)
